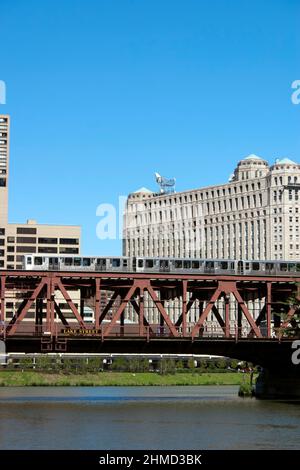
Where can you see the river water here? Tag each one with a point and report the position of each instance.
(105, 418)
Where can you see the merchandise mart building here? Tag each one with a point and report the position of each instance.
(255, 216)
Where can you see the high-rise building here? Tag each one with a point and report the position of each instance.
(18, 239)
(4, 159)
(253, 216)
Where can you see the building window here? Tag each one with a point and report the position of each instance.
(26, 240)
(47, 249)
(10, 239)
(25, 249)
(72, 251)
(10, 258)
(26, 230)
(2, 231)
(69, 241)
(47, 241)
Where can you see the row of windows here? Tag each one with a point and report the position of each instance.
(44, 241)
(235, 204)
(162, 216)
(279, 180)
(42, 249)
(11, 258)
(215, 193)
(284, 167)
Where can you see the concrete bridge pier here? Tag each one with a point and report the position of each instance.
(278, 384)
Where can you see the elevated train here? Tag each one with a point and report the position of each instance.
(160, 265)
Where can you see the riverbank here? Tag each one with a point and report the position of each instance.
(32, 378)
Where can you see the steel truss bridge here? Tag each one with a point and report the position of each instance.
(48, 329)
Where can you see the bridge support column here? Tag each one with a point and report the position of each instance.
(272, 384)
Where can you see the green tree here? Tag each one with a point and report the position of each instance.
(211, 365)
(69, 364)
(167, 366)
(120, 364)
(221, 364)
(44, 362)
(191, 364)
(179, 365)
(26, 363)
(202, 365)
(93, 364)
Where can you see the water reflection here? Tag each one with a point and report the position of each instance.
(206, 417)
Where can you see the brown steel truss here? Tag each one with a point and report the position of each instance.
(112, 294)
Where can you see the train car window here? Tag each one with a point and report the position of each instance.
(297, 267)
(255, 266)
(140, 263)
(38, 261)
(86, 262)
(125, 263)
(292, 267)
(29, 260)
(116, 263)
(224, 265)
(283, 267)
(240, 266)
(164, 263)
(178, 264)
(269, 266)
(101, 262)
(210, 264)
(195, 264)
(77, 261)
(67, 261)
(231, 266)
(149, 263)
(186, 265)
(247, 266)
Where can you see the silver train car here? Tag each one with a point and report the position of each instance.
(159, 265)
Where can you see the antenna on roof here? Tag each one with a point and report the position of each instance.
(166, 185)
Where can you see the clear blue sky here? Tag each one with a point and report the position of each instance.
(102, 93)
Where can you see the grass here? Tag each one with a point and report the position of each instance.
(33, 378)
